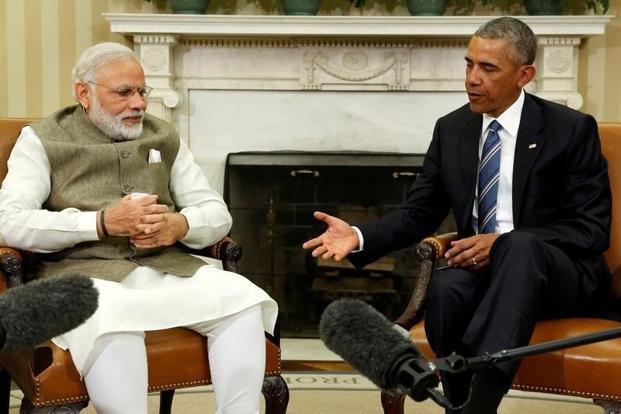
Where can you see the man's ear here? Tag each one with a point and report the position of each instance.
(82, 93)
(527, 74)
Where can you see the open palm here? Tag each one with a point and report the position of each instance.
(336, 242)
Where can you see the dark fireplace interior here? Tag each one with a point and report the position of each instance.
(272, 197)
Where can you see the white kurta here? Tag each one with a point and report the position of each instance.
(146, 299)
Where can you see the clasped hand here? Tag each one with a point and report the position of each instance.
(147, 223)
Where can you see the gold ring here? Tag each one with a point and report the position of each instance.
(474, 261)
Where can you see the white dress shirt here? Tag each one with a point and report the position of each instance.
(510, 121)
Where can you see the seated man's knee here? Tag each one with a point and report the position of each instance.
(518, 251)
(516, 242)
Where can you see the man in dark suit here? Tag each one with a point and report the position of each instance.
(528, 186)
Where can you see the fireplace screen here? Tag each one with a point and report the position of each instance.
(272, 196)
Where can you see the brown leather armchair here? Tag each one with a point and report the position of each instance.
(589, 371)
(177, 357)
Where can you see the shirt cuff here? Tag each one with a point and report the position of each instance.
(360, 240)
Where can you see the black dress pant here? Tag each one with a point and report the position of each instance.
(496, 308)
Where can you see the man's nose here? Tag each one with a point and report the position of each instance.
(137, 101)
(472, 77)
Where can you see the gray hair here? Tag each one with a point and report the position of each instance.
(521, 39)
(97, 56)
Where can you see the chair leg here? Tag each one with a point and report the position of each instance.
(70, 408)
(276, 393)
(393, 401)
(5, 391)
(610, 407)
(166, 399)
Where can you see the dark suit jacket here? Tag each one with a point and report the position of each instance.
(561, 191)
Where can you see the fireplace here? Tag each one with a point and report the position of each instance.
(335, 84)
(272, 196)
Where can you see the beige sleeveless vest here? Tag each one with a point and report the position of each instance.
(90, 171)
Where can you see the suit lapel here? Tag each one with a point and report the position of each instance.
(469, 160)
(527, 147)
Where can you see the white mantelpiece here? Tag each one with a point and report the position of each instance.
(309, 26)
(192, 61)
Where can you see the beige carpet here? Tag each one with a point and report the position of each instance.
(367, 402)
(353, 394)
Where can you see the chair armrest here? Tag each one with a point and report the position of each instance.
(11, 268)
(434, 245)
(428, 251)
(227, 250)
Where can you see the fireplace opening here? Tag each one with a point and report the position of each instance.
(272, 196)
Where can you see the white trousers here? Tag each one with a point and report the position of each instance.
(115, 372)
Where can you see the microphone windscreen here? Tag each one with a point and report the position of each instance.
(42, 309)
(364, 338)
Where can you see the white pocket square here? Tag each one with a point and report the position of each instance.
(154, 156)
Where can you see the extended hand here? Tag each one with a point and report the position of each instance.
(336, 242)
(160, 230)
(471, 252)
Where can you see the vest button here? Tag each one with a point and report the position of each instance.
(125, 154)
(127, 188)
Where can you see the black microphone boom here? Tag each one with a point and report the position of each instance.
(42, 309)
(371, 344)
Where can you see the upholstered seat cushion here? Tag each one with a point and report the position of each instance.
(587, 371)
(177, 359)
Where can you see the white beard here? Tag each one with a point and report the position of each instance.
(112, 125)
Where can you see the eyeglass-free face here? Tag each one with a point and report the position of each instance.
(493, 80)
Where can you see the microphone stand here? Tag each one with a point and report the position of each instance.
(456, 363)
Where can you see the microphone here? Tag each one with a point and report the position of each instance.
(42, 309)
(378, 349)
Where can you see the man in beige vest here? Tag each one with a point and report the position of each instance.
(106, 189)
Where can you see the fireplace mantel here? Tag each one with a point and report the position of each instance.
(245, 83)
(157, 35)
(277, 25)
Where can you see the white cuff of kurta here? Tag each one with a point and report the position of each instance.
(200, 232)
(193, 217)
(87, 225)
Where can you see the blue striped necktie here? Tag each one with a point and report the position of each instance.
(489, 173)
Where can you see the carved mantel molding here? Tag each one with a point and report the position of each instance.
(334, 53)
